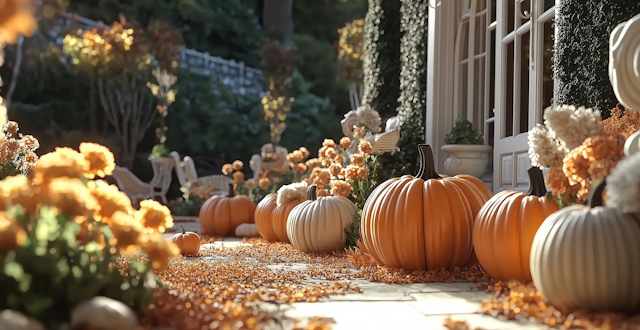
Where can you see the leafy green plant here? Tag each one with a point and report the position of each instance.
(186, 206)
(159, 151)
(51, 272)
(464, 133)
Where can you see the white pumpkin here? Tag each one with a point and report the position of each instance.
(102, 313)
(588, 257)
(319, 223)
(12, 320)
(247, 230)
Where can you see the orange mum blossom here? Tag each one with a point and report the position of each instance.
(70, 196)
(159, 250)
(250, 184)
(238, 177)
(345, 142)
(63, 162)
(227, 169)
(16, 19)
(301, 168)
(237, 165)
(154, 216)
(357, 159)
(264, 183)
(126, 232)
(110, 200)
(321, 152)
(17, 190)
(12, 234)
(100, 158)
(339, 158)
(313, 163)
(340, 188)
(622, 121)
(335, 169)
(329, 143)
(304, 152)
(326, 162)
(330, 152)
(365, 147)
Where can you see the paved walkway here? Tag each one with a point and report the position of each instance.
(414, 306)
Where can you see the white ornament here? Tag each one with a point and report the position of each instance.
(350, 120)
(624, 63)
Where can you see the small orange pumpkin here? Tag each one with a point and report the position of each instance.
(188, 242)
(422, 222)
(221, 215)
(506, 225)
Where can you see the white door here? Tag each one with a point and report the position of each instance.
(523, 85)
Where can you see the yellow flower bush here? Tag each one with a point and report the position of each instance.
(58, 217)
(350, 52)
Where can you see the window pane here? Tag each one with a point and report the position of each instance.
(480, 5)
(478, 94)
(490, 133)
(464, 74)
(547, 75)
(492, 75)
(524, 83)
(493, 11)
(548, 4)
(480, 33)
(508, 107)
(464, 41)
(511, 8)
(525, 6)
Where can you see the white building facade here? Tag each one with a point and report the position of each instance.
(490, 61)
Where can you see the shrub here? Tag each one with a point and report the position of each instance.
(581, 60)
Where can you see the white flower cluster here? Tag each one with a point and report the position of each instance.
(571, 126)
(292, 192)
(623, 185)
(544, 151)
(370, 118)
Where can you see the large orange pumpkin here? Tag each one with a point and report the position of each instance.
(262, 217)
(220, 215)
(505, 227)
(422, 222)
(271, 219)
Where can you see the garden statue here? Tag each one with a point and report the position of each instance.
(255, 163)
(624, 63)
(274, 160)
(368, 118)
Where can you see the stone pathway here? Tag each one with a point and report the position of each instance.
(414, 306)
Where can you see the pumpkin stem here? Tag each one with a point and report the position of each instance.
(595, 195)
(536, 182)
(427, 165)
(183, 231)
(232, 192)
(311, 193)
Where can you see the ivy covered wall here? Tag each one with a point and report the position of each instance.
(581, 61)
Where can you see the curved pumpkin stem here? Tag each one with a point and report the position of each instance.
(427, 165)
(536, 182)
(183, 231)
(232, 192)
(595, 195)
(311, 193)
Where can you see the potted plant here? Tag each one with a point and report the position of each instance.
(468, 153)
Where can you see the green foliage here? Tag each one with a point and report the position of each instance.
(207, 119)
(382, 63)
(50, 272)
(225, 28)
(319, 65)
(187, 206)
(361, 189)
(159, 151)
(581, 57)
(464, 133)
(413, 83)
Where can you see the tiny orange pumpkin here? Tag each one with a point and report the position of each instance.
(188, 242)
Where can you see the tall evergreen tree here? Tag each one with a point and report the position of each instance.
(581, 60)
(381, 58)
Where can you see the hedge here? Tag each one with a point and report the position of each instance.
(581, 61)
(381, 60)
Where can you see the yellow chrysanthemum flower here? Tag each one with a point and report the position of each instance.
(17, 190)
(126, 232)
(159, 250)
(71, 197)
(110, 200)
(16, 18)
(100, 158)
(11, 233)
(63, 162)
(154, 216)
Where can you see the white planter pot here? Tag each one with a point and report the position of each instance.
(466, 159)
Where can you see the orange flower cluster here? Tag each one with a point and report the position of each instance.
(56, 184)
(585, 165)
(17, 149)
(622, 121)
(331, 170)
(296, 160)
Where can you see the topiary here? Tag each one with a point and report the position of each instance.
(381, 60)
(464, 133)
(581, 60)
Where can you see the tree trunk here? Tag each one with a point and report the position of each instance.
(278, 18)
(16, 72)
